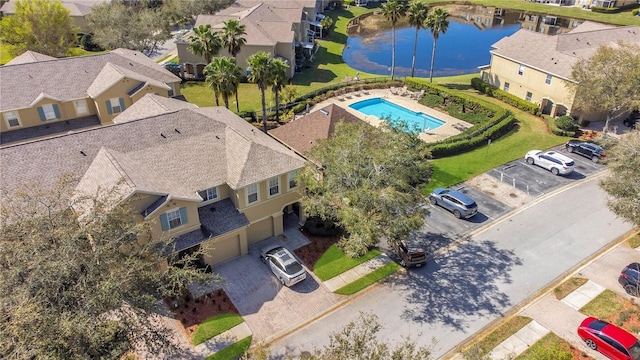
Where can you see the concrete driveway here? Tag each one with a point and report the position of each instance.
(269, 308)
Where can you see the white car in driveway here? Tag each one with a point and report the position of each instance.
(283, 265)
(551, 160)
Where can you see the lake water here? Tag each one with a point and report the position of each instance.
(461, 50)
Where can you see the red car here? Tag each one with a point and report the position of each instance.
(612, 341)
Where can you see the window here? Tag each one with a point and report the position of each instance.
(529, 95)
(548, 81)
(170, 91)
(506, 87)
(521, 70)
(252, 193)
(48, 112)
(12, 119)
(81, 107)
(174, 218)
(212, 193)
(115, 105)
(274, 186)
(292, 179)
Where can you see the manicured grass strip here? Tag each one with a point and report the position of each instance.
(634, 241)
(215, 325)
(604, 305)
(334, 262)
(369, 279)
(568, 286)
(232, 351)
(500, 334)
(551, 346)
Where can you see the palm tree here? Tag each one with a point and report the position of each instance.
(224, 75)
(418, 12)
(393, 10)
(278, 79)
(232, 36)
(204, 42)
(260, 74)
(437, 23)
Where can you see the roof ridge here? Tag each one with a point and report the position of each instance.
(116, 164)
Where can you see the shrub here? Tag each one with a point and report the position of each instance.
(510, 99)
(634, 12)
(604, 10)
(556, 130)
(317, 227)
(566, 123)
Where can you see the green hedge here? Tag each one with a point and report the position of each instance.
(510, 99)
(634, 12)
(598, 9)
(555, 129)
(490, 121)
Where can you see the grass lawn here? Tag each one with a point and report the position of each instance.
(232, 351)
(568, 286)
(551, 346)
(500, 334)
(604, 305)
(335, 262)
(634, 241)
(215, 325)
(369, 279)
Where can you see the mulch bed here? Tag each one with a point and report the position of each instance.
(190, 312)
(310, 253)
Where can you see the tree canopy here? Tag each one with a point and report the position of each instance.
(370, 183)
(43, 26)
(622, 182)
(77, 285)
(609, 81)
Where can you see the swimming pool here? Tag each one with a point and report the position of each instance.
(386, 110)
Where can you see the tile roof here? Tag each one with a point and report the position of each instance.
(152, 105)
(302, 134)
(557, 54)
(71, 78)
(176, 153)
(29, 57)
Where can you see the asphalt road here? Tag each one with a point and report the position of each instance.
(464, 290)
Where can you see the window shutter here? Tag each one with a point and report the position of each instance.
(164, 222)
(41, 113)
(56, 111)
(109, 109)
(183, 215)
(121, 104)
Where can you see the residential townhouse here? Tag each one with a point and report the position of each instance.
(43, 95)
(537, 67)
(202, 176)
(276, 27)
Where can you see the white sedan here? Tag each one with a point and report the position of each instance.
(557, 163)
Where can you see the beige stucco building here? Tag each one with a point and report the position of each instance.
(272, 26)
(537, 67)
(202, 176)
(40, 92)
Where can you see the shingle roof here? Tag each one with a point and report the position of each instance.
(29, 57)
(71, 78)
(303, 134)
(176, 153)
(151, 105)
(557, 54)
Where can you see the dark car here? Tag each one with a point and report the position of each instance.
(458, 203)
(612, 341)
(632, 120)
(409, 256)
(586, 149)
(630, 279)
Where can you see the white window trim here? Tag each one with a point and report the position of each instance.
(292, 177)
(78, 108)
(215, 188)
(257, 192)
(529, 97)
(169, 218)
(277, 185)
(47, 109)
(548, 79)
(520, 69)
(115, 101)
(7, 119)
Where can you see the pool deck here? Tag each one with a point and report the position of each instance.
(452, 126)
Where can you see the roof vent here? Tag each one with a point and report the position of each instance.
(324, 112)
(130, 64)
(161, 134)
(83, 153)
(178, 131)
(217, 137)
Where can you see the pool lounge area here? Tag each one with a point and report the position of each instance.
(382, 100)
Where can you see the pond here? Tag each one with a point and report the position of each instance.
(461, 50)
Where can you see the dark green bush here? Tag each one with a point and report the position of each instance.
(317, 227)
(556, 130)
(604, 10)
(634, 12)
(510, 99)
(566, 123)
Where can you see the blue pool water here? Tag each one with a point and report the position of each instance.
(386, 110)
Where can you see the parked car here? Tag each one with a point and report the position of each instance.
(630, 279)
(586, 149)
(610, 340)
(409, 256)
(458, 203)
(283, 265)
(550, 160)
(632, 120)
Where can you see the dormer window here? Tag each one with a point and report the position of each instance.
(521, 70)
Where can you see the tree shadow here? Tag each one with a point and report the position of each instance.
(462, 284)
